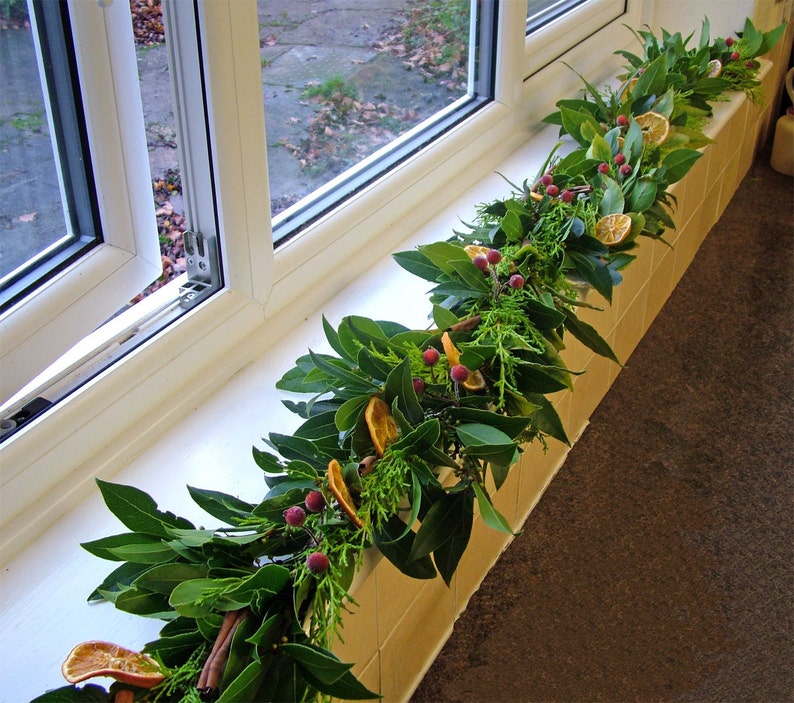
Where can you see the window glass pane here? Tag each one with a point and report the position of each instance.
(47, 215)
(541, 12)
(343, 79)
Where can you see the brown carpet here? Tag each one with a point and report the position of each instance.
(659, 565)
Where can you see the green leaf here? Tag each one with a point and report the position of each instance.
(222, 506)
(201, 597)
(445, 519)
(268, 632)
(399, 385)
(145, 603)
(442, 254)
(347, 415)
(396, 546)
(417, 263)
(512, 227)
(155, 553)
(300, 449)
(103, 547)
(574, 120)
(269, 579)
(443, 318)
(447, 555)
(512, 425)
(642, 195)
(544, 317)
(320, 663)
(546, 418)
(373, 366)
(600, 150)
(770, 39)
(267, 462)
(653, 79)
(341, 372)
(166, 577)
(589, 336)
(612, 200)
(137, 511)
(470, 275)
(346, 687)
(421, 438)
(89, 693)
(677, 164)
(118, 580)
(490, 515)
(333, 339)
(246, 685)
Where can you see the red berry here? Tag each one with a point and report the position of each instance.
(750, 64)
(317, 563)
(516, 281)
(419, 385)
(625, 170)
(493, 256)
(729, 41)
(620, 159)
(314, 501)
(480, 262)
(431, 356)
(295, 516)
(566, 196)
(459, 373)
(622, 120)
(546, 179)
(735, 56)
(603, 168)
(552, 191)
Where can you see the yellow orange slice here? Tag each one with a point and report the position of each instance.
(626, 88)
(475, 250)
(655, 127)
(714, 68)
(613, 229)
(341, 492)
(95, 658)
(381, 424)
(475, 381)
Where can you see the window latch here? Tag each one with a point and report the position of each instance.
(203, 269)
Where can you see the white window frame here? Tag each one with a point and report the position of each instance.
(46, 323)
(568, 30)
(100, 428)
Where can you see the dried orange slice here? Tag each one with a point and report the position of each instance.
(381, 424)
(475, 250)
(613, 229)
(655, 127)
(625, 89)
(341, 492)
(714, 68)
(475, 381)
(94, 658)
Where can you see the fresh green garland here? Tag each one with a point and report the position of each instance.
(406, 430)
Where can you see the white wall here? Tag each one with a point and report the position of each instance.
(725, 16)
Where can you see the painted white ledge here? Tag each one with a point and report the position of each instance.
(43, 589)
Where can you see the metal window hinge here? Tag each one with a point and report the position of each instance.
(22, 416)
(203, 269)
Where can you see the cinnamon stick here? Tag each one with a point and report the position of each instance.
(216, 660)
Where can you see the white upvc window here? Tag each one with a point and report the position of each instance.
(266, 291)
(116, 244)
(570, 22)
